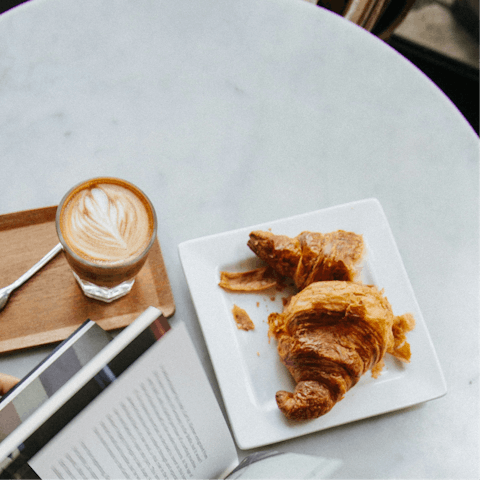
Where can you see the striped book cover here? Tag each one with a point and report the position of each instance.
(51, 374)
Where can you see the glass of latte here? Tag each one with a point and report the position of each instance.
(107, 227)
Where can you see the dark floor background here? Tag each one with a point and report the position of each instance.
(458, 81)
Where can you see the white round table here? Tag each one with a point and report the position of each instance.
(229, 114)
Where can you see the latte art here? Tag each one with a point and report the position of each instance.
(106, 223)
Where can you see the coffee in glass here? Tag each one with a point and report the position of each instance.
(107, 227)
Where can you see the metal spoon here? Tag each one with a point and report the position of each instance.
(6, 291)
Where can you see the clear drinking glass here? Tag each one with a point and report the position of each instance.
(107, 227)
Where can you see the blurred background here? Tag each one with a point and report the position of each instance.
(441, 37)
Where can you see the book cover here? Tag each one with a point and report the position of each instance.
(51, 374)
(49, 398)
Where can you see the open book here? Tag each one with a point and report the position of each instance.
(135, 406)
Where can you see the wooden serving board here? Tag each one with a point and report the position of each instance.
(50, 306)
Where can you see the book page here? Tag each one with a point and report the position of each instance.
(159, 419)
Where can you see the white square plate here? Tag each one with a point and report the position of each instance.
(247, 366)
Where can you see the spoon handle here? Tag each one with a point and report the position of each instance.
(29, 273)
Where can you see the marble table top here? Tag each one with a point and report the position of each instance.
(230, 114)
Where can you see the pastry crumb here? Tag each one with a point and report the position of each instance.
(242, 319)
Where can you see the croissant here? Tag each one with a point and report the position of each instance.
(310, 257)
(329, 335)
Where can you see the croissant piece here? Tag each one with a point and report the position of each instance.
(252, 281)
(329, 335)
(310, 257)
